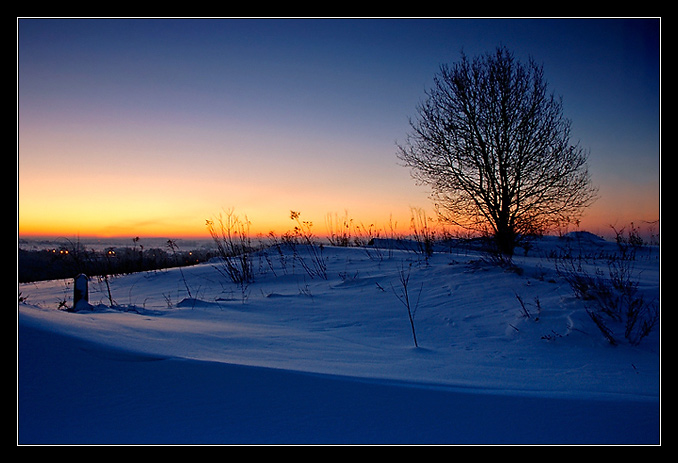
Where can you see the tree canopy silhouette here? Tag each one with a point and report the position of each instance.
(495, 148)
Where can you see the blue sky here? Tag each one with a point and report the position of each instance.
(154, 125)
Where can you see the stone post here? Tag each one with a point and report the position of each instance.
(80, 293)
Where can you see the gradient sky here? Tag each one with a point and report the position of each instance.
(148, 127)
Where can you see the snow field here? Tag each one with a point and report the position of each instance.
(294, 359)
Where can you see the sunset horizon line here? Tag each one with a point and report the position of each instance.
(606, 232)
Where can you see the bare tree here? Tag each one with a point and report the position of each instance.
(495, 148)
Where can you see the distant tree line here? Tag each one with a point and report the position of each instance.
(69, 261)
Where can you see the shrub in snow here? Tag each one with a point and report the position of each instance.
(302, 237)
(234, 247)
(614, 296)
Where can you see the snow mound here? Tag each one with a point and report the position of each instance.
(584, 236)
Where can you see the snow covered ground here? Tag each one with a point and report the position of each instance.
(184, 356)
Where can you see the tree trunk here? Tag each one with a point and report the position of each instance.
(505, 239)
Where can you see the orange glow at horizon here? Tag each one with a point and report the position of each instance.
(194, 229)
(55, 220)
(181, 210)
